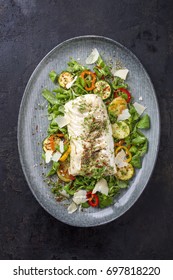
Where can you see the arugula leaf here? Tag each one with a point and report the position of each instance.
(144, 148)
(104, 200)
(53, 127)
(85, 205)
(87, 182)
(75, 66)
(50, 97)
(134, 114)
(138, 139)
(122, 184)
(81, 81)
(70, 190)
(112, 118)
(136, 161)
(53, 76)
(53, 169)
(119, 83)
(101, 69)
(133, 149)
(97, 173)
(144, 122)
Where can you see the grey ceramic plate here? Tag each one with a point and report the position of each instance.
(32, 127)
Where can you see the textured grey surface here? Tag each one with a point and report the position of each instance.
(33, 124)
(29, 30)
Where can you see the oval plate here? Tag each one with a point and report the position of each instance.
(33, 123)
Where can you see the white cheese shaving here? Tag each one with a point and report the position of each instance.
(62, 121)
(56, 156)
(121, 73)
(61, 146)
(92, 58)
(64, 193)
(80, 197)
(69, 85)
(72, 208)
(48, 156)
(139, 108)
(120, 159)
(101, 186)
(124, 115)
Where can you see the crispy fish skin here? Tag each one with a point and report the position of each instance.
(90, 133)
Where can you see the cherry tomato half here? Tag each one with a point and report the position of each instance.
(121, 91)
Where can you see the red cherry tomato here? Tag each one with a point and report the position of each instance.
(121, 91)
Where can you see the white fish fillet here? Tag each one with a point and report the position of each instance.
(90, 134)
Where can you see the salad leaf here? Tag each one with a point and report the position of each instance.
(97, 173)
(50, 97)
(138, 139)
(53, 127)
(53, 169)
(136, 161)
(144, 148)
(70, 190)
(122, 184)
(144, 122)
(133, 149)
(75, 66)
(104, 200)
(85, 205)
(101, 69)
(53, 76)
(134, 114)
(119, 83)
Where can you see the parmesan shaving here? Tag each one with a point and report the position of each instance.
(56, 156)
(120, 159)
(48, 156)
(62, 121)
(61, 146)
(121, 73)
(101, 186)
(69, 85)
(80, 197)
(92, 58)
(124, 115)
(139, 108)
(72, 208)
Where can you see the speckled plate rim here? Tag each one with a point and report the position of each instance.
(68, 41)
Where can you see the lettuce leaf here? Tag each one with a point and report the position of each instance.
(144, 122)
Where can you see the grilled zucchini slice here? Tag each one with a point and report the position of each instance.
(117, 105)
(120, 130)
(125, 173)
(103, 89)
(50, 142)
(63, 173)
(65, 78)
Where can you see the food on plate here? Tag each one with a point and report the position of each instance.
(94, 143)
(90, 134)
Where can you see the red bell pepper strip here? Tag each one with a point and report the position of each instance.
(93, 199)
(93, 79)
(120, 91)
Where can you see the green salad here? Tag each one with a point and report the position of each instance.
(94, 139)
